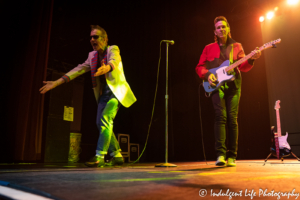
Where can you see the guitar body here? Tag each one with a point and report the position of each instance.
(221, 72)
(221, 75)
(280, 147)
(282, 150)
(283, 142)
(284, 147)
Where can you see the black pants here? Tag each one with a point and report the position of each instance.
(226, 104)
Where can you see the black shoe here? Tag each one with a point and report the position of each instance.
(115, 161)
(95, 161)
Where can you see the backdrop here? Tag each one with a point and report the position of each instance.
(137, 27)
(282, 65)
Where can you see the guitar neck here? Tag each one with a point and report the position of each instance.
(265, 46)
(278, 123)
(240, 61)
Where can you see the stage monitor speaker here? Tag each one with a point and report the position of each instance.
(124, 140)
(134, 152)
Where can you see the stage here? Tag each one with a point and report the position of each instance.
(189, 180)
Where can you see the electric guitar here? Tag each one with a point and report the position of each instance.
(280, 147)
(221, 72)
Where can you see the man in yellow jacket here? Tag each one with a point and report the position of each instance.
(110, 89)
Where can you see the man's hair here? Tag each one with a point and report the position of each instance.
(103, 32)
(221, 18)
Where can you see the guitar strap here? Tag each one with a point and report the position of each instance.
(231, 55)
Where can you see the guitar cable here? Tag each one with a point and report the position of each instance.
(201, 129)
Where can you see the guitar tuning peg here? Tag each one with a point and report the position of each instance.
(274, 46)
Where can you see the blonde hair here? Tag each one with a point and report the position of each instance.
(103, 32)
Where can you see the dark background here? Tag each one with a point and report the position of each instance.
(282, 66)
(137, 27)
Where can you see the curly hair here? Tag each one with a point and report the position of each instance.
(221, 18)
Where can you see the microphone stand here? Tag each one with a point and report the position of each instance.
(166, 164)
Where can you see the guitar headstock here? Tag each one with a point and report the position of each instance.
(277, 106)
(270, 44)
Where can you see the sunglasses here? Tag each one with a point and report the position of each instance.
(95, 37)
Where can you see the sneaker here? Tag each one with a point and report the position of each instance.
(115, 161)
(221, 161)
(95, 161)
(231, 162)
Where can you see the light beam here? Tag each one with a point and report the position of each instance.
(261, 19)
(270, 15)
(292, 2)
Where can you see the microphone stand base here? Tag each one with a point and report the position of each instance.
(165, 165)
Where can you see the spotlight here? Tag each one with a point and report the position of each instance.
(292, 2)
(276, 8)
(270, 15)
(261, 19)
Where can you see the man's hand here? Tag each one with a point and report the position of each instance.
(212, 80)
(257, 53)
(49, 86)
(103, 69)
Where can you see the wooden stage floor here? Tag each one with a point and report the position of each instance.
(189, 180)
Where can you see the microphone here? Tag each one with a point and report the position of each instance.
(169, 41)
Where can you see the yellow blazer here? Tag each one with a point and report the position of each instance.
(115, 79)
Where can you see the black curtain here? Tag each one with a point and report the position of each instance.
(282, 65)
(26, 42)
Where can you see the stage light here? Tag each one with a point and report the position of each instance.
(270, 15)
(261, 19)
(276, 8)
(292, 2)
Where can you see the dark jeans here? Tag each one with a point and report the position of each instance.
(226, 104)
(108, 106)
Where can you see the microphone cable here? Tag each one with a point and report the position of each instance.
(157, 76)
(152, 114)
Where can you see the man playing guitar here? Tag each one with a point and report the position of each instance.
(226, 98)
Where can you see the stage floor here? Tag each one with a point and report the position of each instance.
(189, 180)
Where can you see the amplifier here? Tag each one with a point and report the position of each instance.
(134, 152)
(123, 140)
